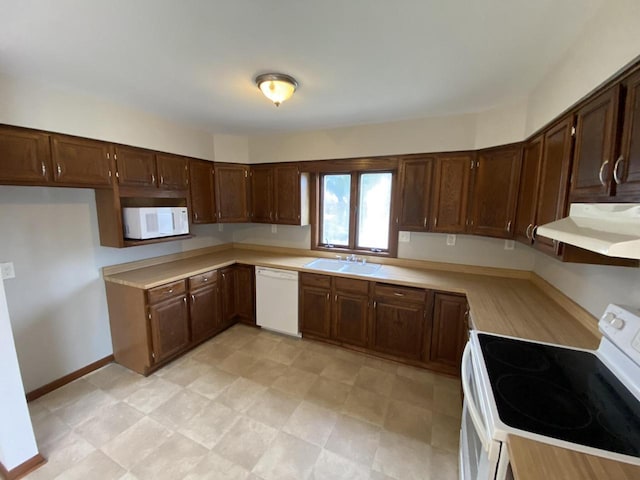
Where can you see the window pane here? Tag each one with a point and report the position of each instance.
(374, 209)
(336, 196)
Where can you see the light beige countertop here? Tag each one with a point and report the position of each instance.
(514, 303)
(503, 305)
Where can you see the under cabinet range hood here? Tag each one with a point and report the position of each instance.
(611, 229)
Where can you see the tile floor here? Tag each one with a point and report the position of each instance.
(249, 404)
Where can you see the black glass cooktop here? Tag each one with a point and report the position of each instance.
(561, 393)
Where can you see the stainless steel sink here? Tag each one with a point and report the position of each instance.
(331, 265)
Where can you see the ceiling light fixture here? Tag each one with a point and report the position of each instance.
(277, 87)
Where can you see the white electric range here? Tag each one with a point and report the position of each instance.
(582, 400)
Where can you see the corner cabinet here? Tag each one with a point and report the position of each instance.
(232, 189)
(496, 178)
(151, 327)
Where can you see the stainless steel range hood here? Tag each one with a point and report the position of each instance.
(611, 229)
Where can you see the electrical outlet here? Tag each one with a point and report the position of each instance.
(274, 229)
(404, 237)
(451, 240)
(509, 244)
(7, 271)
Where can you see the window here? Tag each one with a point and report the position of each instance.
(355, 211)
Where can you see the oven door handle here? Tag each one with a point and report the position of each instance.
(468, 398)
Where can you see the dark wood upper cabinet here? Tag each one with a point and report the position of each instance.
(136, 167)
(626, 170)
(314, 305)
(25, 156)
(261, 194)
(528, 194)
(350, 311)
(290, 201)
(595, 143)
(451, 193)
(232, 192)
(449, 330)
(80, 161)
(495, 191)
(414, 194)
(173, 171)
(552, 191)
(203, 202)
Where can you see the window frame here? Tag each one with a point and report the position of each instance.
(316, 224)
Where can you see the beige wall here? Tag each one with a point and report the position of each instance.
(35, 105)
(609, 41)
(231, 148)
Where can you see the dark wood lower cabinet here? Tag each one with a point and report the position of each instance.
(245, 294)
(450, 326)
(395, 322)
(314, 305)
(204, 313)
(169, 326)
(228, 295)
(350, 314)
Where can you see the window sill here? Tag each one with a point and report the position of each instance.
(349, 251)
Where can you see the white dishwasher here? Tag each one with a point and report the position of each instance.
(277, 300)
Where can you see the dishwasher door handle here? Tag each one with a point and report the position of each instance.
(280, 274)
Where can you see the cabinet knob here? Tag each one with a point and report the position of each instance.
(205, 279)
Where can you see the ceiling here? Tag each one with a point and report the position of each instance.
(357, 61)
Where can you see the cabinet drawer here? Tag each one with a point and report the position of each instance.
(203, 279)
(350, 285)
(404, 294)
(313, 280)
(163, 292)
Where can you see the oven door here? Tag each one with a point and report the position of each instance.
(479, 454)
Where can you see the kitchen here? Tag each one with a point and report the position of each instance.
(54, 333)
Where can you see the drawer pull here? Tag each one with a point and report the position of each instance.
(171, 290)
(205, 279)
(397, 294)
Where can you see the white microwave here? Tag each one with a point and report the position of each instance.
(142, 223)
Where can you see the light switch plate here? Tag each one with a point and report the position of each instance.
(274, 229)
(7, 271)
(509, 244)
(220, 227)
(404, 237)
(451, 240)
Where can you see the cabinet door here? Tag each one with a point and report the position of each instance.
(450, 193)
(173, 172)
(495, 191)
(552, 192)
(528, 194)
(314, 304)
(136, 167)
(169, 328)
(261, 194)
(627, 166)
(397, 328)
(228, 295)
(449, 330)
(232, 193)
(25, 156)
(593, 159)
(287, 194)
(245, 294)
(203, 207)
(350, 314)
(416, 176)
(82, 162)
(204, 312)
